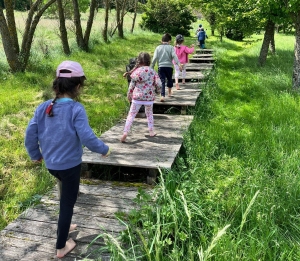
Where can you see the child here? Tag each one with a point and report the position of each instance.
(164, 54)
(182, 52)
(201, 38)
(145, 82)
(56, 134)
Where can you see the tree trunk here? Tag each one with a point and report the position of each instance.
(18, 58)
(105, 29)
(9, 49)
(30, 30)
(272, 42)
(118, 18)
(134, 16)
(296, 69)
(62, 28)
(93, 6)
(269, 33)
(78, 28)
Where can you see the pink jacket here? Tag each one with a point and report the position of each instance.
(182, 52)
(145, 82)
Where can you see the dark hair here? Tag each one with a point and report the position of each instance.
(179, 39)
(63, 85)
(143, 59)
(166, 38)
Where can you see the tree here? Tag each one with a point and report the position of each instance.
(106, 16)
(296, 68)
(62, 28)
(17, 57)
(174, 17)
(83, 41)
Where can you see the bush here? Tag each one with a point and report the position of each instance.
(234, 34)
(167, 16)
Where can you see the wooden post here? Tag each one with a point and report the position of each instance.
(151, 178)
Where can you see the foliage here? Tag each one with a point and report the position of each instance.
(167, 16)
(68, 8)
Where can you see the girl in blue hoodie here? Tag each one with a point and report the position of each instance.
(56, 133)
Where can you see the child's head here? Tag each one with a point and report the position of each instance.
(69, 79)
(166, 38)
(179, 39)
(201, 29)
(144, 59)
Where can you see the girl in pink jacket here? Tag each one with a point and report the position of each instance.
(182, 52)
(145, 83)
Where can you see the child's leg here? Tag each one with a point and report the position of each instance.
(169, 74)
(162, 76)
(177, 72)
(149, 114)
(134, 109)
(183, 73)
(70, 179)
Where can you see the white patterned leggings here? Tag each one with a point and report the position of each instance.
(134, 109)
(177, 71)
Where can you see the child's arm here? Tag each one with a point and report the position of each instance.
(32, 142)
(175, 59)
(154, 59)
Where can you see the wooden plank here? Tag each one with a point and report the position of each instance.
(141, 150)
(18, 246)
(187, 96)
(199, 66)
(201, 60)
(205, 51)
(196, 76)
(203, 55)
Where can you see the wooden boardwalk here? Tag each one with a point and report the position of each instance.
(32, 235)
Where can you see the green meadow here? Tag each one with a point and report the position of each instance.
(233, 193)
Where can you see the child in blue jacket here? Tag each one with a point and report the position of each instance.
(56, 134)
(202, 36)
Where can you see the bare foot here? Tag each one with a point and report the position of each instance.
(123, 137)
(152, 134)
(162, 98)
(70, 244)
(170, 92)
(177, 86)
(183, 82)
(72, 227)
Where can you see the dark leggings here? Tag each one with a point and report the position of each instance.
(165, 72)
(70, 179)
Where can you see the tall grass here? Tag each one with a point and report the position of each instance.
(234, 193)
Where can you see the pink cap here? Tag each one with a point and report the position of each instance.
(74, 68)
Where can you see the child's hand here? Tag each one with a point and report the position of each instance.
(37, 161)
(180, 67)
(192, 45)
(107, 154)
(125, 74)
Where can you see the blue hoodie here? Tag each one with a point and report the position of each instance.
(59, 139)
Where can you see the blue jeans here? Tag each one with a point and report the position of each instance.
(165, 72)
(70, 179)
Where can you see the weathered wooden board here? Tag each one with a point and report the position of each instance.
(199, 66)
(205, 51)
(203, 55)
(141, 150)
(201, 60)
(32, 236)
(186, 96)
(195, 75)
